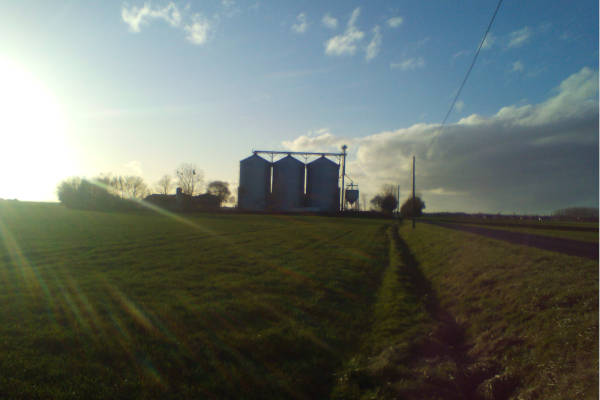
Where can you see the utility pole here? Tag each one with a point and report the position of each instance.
(344, 147)
(398, 205)
(413, 193)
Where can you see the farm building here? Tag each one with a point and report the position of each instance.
(184, 202)
(288, 184)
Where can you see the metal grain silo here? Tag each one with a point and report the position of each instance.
(322, 185)
(351, 195)
(288, 184)
(255, 183)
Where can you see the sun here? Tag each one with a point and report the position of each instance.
(34, 155)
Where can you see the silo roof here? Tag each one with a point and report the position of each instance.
(255, 157)
(323, 160)
(287, 159)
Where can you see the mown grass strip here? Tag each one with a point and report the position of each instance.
(400, 322)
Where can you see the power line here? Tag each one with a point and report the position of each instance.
(472, 64)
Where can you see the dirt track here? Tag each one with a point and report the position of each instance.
(566, 246)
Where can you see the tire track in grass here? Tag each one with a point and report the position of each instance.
(416, 349)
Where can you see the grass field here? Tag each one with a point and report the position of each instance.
(130, 305)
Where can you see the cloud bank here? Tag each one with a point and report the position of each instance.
(525, 159)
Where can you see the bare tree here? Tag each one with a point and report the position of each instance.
(118, 187)
(136, 187)
(165, 184)
(127, 187)
(189, 178)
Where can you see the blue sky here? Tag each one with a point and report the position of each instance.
(142, 86)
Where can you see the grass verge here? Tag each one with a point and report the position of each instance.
(530, 315)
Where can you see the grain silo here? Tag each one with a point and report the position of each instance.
(255, 183)
(288, 184)
(322, 185)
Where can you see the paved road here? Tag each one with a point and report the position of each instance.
(566, 246)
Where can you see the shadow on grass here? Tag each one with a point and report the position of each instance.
(437, 365)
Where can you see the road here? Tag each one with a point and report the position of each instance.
(566, 246)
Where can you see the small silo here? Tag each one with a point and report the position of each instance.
(288, 184)
(351, 196)
(322, 185)
(255, 183)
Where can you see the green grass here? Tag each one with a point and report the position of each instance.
(142, 305)
(529, 314)
(110, 305)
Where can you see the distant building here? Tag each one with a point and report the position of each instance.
(184, 202)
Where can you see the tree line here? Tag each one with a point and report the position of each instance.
(387, 201)
(107, 192)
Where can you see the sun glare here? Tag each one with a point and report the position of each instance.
(34, 154)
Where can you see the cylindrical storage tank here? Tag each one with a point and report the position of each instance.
(351, 195)
(322, 185)
(255, 183)
(288, 184)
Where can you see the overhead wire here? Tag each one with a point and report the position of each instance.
(462, 85)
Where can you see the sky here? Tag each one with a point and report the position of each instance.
(139, 87)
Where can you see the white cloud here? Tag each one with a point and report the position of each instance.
(519, 37)
(460, 53)
(134, 167)
(488, 42)
(566, 36)
(316, 140)
(230, 8)
(374, 45)
(345, 43)
(409, 64)
(395, 22)
(228, 3)
(529, 158)
(354, 16)
(301, 25)
(459, 105)
(135, 17)
(329, 22)
(517, 66)
(198, 29)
